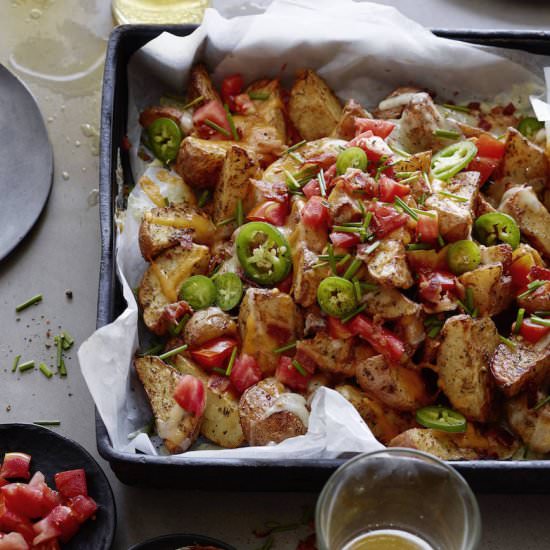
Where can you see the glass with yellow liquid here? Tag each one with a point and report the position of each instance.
(159, 11)
(397, 499)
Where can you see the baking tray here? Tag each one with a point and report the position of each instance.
(239, 474)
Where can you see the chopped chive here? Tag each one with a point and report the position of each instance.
(336, 256)
(45, 370)
(319, 264)
(405, 175)
(540, 321)
(451, 196)
(294, 147)
(358, 291)
(542, 313)
(432, 321)
(291, 182)
(47, 422)
(173, 352)
(362, 208)
(419, 246)
(519, 320)
(286, 347)
(28, 303)
(322, 183)
(459, 108)
(147, 429)
(239, 216)
(425, 213)
(470, 298)
(166, 201)
(353, 268)
(398, 151)
(152, 351)
(203, 198)
(226, 221)
(355, 312)
(231, 361)
(217, 127)
(343, 261)
(68, 340)
(346, 229)
(219, 371)
(59, 343)
(427, 181)
(352, 224)
(179, 327)
(299, 367)
(446, 134)
(368, 287)
(507, 341)
(15, 363)
(26, 366)
(422, 199)
(193, 103)
(331, 259)
(260, 96)
(541, 403)
(412, 178)
(440, 240)
(404, 206)
(234, 132)
(372, 247)
(296, 157)
(435, 330)
(531, 287)
(366, 221)
(61, 369)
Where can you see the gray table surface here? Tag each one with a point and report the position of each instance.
(56, 47)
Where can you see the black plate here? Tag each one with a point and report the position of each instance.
(173, 542)
(26, 162)
(186, 472)
(52, 453)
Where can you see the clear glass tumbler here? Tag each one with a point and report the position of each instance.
(159, 11)
(398, 489)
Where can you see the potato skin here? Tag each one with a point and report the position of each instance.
(260, 429)
(313, 108)
(207, 324)
(200, 84)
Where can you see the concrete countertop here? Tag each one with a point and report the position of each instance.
(57, 49)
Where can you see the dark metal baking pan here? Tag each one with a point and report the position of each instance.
(291, 475)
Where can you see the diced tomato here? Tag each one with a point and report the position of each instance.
(50, 545)
(232, 86)
(381, 339)
(16, 466)
(386, 218)
(388, 189)
(532, 332)
(538, 273)
(243, 104)
(83, 507)
(269, 211)
(433, 285)
(214, 112)
(190, 394)
(290, 376)
(13, 541)
(380, 128)
(338, 330)
(490, 147)
(71, 483)
(427, 227)
(3, 481)
(50, 498)
(312, 188)
(427, 260)
(344, 240)
(521, 269)
(45, 530)
(10, 521)
(315, 214)
(214, 352)
(484, 165)
(65, 521)
(286, 284)
(23, 499)
(374, 146)
(245, 373)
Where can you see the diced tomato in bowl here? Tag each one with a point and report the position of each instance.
(13, 541)
(16, 466)
(71, 483)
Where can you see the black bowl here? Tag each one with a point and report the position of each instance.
(52, 453)
(173, 542)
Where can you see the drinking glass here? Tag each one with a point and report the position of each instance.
(159, 11)
(398, 489)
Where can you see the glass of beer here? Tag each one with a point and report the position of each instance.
(397, 499)
(159, 11)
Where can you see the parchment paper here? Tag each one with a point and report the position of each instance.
(363, 50)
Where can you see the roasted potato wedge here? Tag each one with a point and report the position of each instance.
(207, 324)
(178, 429)
(200, 85)
(306, 278)
(345, 128)
(530, 420)
(329, 354)
(271, 110)
(269, 413)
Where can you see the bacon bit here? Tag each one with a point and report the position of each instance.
(509, 110)
(173, 313)
(281, 334)
(277, 191)
(474, 105)
(357, 181)
(324, 160)
(186, 240)
(485, 124)
(126, 145)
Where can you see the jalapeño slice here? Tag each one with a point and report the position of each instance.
(229, 288)
(353, 157)
(336, 296)
(164, 138)
(263, 253)
(451, 160)
(529, 126)
(198, 291)
(497, 227)
(441, 418)
(463, 256)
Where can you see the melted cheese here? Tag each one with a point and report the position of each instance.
(152, 190)
(202, 227)
(397, 101)
(171, 282)
(292, 403)
(168, 177)
(170, 428)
